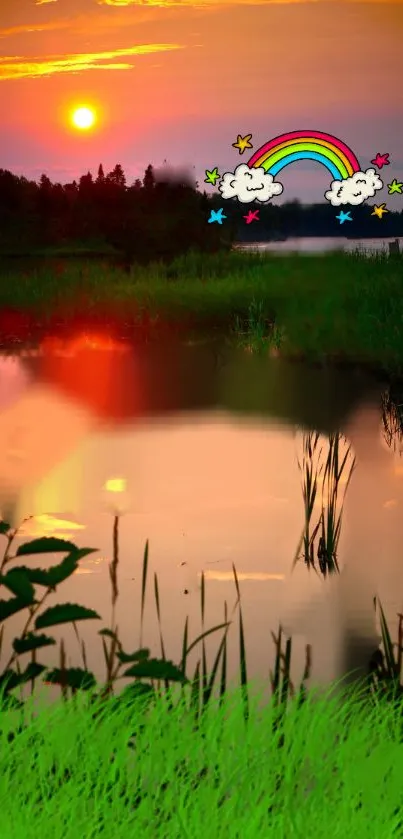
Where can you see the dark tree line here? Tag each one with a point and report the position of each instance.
(159, 217)
(156, 218)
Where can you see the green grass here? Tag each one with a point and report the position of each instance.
(341, 306)
(326, 768)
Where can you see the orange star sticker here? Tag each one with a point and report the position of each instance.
(379, 211)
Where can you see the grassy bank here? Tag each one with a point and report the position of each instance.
(324, 769)
(341, 306)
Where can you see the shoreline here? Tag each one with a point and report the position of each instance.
(27, 333)
(342, 309)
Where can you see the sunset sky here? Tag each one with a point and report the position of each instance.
(179, 80)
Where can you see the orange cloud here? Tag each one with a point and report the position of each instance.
(216, 3)
(219, 3)
(36, 27)
(14, 67)
(100, 22)
(198, 3)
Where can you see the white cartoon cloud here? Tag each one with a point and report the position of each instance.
(249, 184)
(354, 190)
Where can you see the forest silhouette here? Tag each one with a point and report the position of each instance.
(157, 218)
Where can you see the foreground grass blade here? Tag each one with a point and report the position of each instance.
(242, 652)
(143, 591)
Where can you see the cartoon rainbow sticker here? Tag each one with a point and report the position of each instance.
(306, 145)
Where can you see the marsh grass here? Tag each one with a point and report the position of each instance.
(342, 306)
(160, 673)
(326, 474)
(257, 332)
(385, 666)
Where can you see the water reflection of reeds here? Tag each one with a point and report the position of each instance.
(322, 481)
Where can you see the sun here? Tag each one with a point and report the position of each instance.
(83, 118)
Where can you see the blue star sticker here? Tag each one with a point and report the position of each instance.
(217, 215)
(342, 217)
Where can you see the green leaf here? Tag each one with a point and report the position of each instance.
(72, 677)
(10, 679)
(32, 671)
(61, 572)
(155, 668)
(17, 581)
(10, 607)
(64, 613)
(108, 632)
(31, 642)
(4, 527)
(139, 655)
(46, 544)
(35, 575)
(80, 553)
(52, 577)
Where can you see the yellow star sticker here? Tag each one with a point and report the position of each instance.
(395, 186)
(243, 143)
(379, 211)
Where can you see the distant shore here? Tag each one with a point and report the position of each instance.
(82, 251)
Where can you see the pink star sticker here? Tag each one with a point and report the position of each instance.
(253, 215)
(381, 160)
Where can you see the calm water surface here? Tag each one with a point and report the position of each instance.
(208, 441)
(323, 244)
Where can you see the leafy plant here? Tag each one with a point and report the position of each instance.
(30, 587)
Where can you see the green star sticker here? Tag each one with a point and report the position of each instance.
(395, 186)
(212, 176)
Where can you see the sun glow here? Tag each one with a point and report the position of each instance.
(83, 118)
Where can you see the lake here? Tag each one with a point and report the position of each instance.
(322, 244)
(208, 442)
